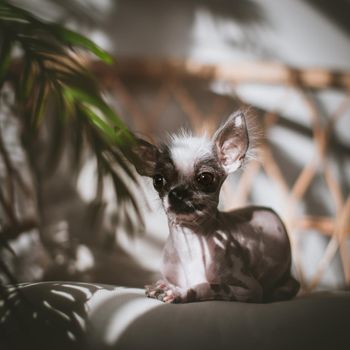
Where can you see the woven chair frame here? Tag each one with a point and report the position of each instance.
(172, 77)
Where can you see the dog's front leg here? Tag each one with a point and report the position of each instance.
(206, 291)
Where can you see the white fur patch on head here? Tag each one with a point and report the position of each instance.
(186, 150)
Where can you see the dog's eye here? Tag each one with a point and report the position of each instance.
(158, 181)
(205, 179)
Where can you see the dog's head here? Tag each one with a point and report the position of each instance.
(188, 171)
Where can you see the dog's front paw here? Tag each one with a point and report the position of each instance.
(171, 296)
(156, 290)
(162, 291)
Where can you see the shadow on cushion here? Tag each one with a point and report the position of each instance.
(57, 315)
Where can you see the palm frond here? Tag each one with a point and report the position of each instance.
(50, 72)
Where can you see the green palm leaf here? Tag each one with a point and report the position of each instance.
(50, 72)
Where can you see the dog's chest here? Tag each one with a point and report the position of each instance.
(191, 259)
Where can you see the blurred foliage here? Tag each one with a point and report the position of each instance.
(44, 65)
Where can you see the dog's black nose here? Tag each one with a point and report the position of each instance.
(177, 193)
(177, 199)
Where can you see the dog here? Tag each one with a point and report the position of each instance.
(242, 255)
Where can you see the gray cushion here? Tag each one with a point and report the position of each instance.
(67, 315)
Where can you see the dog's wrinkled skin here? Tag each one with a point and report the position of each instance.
(241, 255)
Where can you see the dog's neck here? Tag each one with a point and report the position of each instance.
(200, 225)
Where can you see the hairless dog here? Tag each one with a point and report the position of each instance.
(242, 255)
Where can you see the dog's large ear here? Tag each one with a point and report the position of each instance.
(145, 156)
(231, 142)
